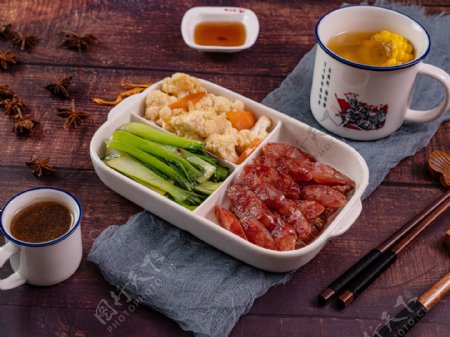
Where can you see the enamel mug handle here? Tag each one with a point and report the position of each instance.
(15, 279)
(420, 116)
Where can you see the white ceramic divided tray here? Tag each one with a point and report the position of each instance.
(201, 222)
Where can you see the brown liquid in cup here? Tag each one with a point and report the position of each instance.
(41, 222)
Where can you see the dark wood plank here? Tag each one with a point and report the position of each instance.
(141, 42)
(143, 25)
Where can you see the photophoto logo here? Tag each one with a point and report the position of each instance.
(402, 302)
(141, 285)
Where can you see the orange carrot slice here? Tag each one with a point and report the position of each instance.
(183, 102)
(249, 150)
(241, 120)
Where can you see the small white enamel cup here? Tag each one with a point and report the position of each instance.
(44, 263)
(366, 102)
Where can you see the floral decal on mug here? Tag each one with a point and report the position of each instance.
(358, 115)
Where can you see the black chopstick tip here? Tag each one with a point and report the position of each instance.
(326, 295)
(345, 299)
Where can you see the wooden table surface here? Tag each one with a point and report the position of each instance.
(140, 41)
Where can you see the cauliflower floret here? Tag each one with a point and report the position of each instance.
(223, 145)
(261, 127)
(181, 85)
(201, 122)
(220, 104)
(259, 130)
(154, 102)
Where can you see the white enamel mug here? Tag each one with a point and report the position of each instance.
(44, 263)
(364, 102)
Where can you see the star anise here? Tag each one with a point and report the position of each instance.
(5, 58)
(76, 41)
(5, 31)
(24, 124)
(5, 92)
(26, 42)
(72, 115)
(13, 106)
(60, 87)
(40, 167)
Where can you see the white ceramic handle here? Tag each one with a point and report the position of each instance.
(15, 279)
(420, 116)
(351, 217)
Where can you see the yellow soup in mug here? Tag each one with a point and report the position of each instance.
(382, 49)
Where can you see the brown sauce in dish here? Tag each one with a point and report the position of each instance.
(40, 222)
(225, 34)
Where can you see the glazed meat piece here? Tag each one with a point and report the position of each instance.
(282, 182)
(310, 209)
(229, 221)
(276, 201)
(258, 234)
(301, 166)
(247, 205)
(325, 174)
(295, 169)
(280, 149)
(325, 195)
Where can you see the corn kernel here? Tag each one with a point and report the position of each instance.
(391, 62)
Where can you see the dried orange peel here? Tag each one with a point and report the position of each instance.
(135, 89)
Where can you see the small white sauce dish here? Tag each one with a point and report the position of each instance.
(196, 15)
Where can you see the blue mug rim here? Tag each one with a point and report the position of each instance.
(47, 243)
(365, 66)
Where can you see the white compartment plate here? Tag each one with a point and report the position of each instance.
(201, 222)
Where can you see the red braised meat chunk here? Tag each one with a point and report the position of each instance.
(279, 149)
(281, 181)
(325, 174)
(258, 234)
(252, 207)
(246, 205)
(295, 169)
(324, 195)
(311, 209)
(229, 221)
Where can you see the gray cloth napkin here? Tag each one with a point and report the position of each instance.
(205, 290)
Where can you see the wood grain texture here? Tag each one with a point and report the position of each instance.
(140, 41)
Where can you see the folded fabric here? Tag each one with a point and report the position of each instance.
(205, 290)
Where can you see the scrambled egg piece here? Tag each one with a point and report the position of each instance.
(181, 85)
(205, 120)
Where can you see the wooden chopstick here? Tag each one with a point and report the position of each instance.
(415, 310)
(366, 262)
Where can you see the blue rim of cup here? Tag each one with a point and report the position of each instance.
(365, 66)
(47, 243)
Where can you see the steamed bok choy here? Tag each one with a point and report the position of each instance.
(173, 166)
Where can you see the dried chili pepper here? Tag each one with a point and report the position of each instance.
(60, 87)
(72, 115)
(40, 167)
